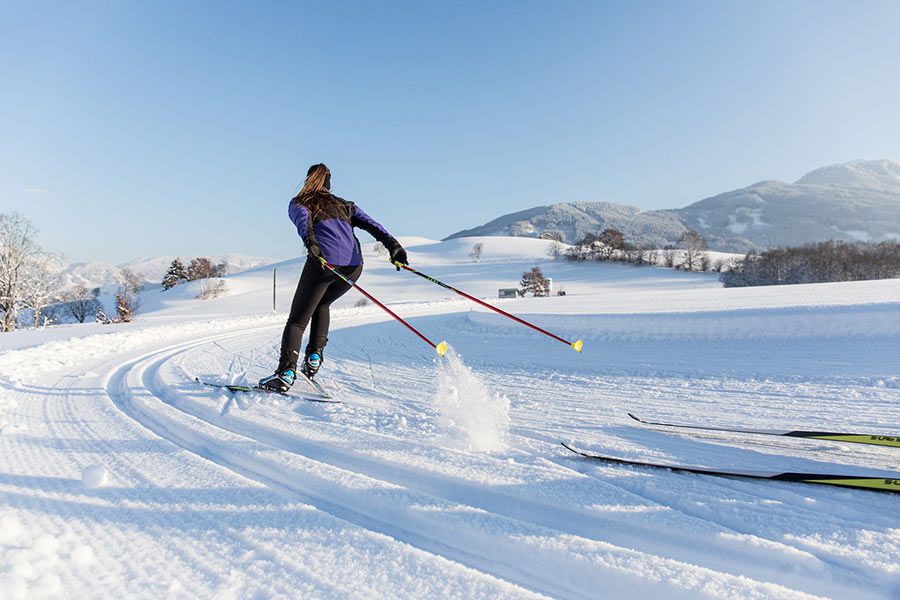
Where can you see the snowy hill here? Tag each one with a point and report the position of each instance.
(445, 478)
(856, 201)
(103, 275)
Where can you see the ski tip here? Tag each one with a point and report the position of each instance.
(441, 348)
(633, 417)
(578, 345)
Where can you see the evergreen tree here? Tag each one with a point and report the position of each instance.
(534, 281)
(175, 275)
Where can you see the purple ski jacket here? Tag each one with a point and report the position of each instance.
(332, 229)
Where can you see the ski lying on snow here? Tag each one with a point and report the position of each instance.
(254, 388)
(878, 484)
(855, 438)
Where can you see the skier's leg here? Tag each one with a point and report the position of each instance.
(314, 283)
(321, 317)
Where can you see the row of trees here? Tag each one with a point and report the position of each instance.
(691, 252)
(816, 263)
(198, 268)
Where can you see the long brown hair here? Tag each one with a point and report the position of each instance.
(318, 179)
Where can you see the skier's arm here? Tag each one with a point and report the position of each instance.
(299, 216)
(365, 222)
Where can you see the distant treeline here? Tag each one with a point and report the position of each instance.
(198, 268)
(690, 254)
(816, 263)
(823, 262)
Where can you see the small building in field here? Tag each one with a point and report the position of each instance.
(508, 293)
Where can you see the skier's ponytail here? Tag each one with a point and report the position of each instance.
(318, 179)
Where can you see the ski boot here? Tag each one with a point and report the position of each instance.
(311, 363)
(280, 382)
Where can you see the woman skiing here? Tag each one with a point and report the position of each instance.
(325, 223)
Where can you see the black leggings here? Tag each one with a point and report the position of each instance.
(318, 288)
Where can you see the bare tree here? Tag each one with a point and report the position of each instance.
(378, 249)
(475, 254)
(128, 298)
(17, 247)
(201, 268)
(705, 261)
(555, 250)
(668, 255)
(80, 303)
(694, 247)
(40, 286)
(211, 287)
(613, 240)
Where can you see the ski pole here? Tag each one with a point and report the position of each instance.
(577, 345)
(441, 348)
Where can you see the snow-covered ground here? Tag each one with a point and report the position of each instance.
(122, 477)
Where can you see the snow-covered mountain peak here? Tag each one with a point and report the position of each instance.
(881, 174)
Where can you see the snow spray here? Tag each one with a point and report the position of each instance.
(473, 416)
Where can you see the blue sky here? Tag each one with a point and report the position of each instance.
(132, 129)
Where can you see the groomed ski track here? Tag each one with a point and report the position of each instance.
(218, 496)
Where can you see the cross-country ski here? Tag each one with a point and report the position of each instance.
(879, 484)
(853, 438)
(236, 388)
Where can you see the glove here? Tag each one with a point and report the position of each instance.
(398, 255)
(315, 251)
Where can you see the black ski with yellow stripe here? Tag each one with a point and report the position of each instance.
(322, 397)
(854, 438)
(877, 484)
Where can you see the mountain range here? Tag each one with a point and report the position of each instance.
(854, 201)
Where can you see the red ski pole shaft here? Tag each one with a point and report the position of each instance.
(440, 348)
(577, 345)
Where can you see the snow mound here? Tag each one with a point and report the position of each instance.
(83, 556)
(475, 417)
(94, 476)
(10, 529)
